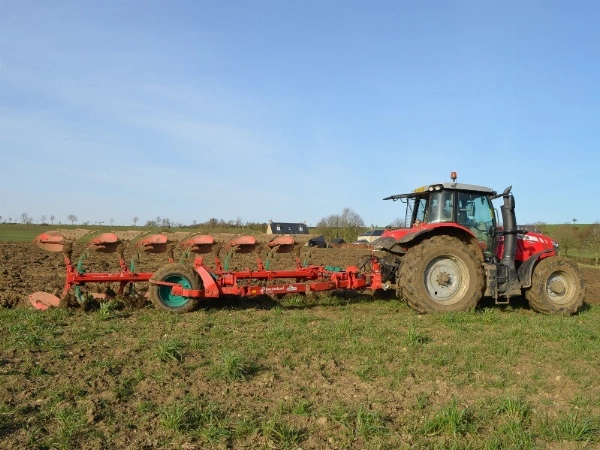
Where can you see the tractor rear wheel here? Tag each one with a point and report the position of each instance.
(557, 286)
(161, 295)
(441, 274)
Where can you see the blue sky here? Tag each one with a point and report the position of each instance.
(294, 110)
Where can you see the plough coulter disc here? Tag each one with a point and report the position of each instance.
(241, 244)
(105, 243)
(202, 243)
(43, 300)
(282, 244)
(153, 243)
(51, 241)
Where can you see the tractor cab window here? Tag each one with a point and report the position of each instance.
(415, 210)
(440, 207)
(476, 213)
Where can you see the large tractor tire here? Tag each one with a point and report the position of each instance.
(441, 274)
(161, 295)
(557, 287)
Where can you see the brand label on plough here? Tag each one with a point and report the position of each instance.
(271, 290)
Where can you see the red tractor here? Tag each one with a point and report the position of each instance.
(453, 252)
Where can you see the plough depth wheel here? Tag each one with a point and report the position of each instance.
(161, 295)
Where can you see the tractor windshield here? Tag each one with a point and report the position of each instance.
(440, 207)
(430, 208)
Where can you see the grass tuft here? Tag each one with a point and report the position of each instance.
(281, 435)
(450, 420)
(233, 367)
(516, 408)
(169, 350)
(415, 339)
(573, 427)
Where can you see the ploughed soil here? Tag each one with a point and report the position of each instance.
(24, 268)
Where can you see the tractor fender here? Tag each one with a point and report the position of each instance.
(526, 269)
(401, 243)
(413, 235)
(428, 229)
(388, 244)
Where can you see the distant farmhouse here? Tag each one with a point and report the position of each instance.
(369, 236)
(286, 228)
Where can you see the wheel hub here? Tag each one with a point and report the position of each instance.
(446, 280)
(557, 287)
(443, 279)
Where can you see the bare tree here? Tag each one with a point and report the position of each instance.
(567, 237)
(135, 221)
(43, 218)
(25, 218)
(111, 221)
(350, 218)
(398, 223)
(72, 218)
(346, 225)
(52, 219)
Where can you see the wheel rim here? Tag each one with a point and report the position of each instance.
(559, 288)
(165, 294)
(446, 280)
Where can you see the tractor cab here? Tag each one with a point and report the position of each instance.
(465, 207)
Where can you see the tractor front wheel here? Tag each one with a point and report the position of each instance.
(161, 295)
(557, 286)
(441, 274)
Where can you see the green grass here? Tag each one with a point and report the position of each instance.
(16, 232)
(233, 367)
(26, 233)
(21, 233)
(358, 373)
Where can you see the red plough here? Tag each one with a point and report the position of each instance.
(76, 273)
(180, 287)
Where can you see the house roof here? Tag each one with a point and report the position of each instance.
(372, 233)
(288, 228)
